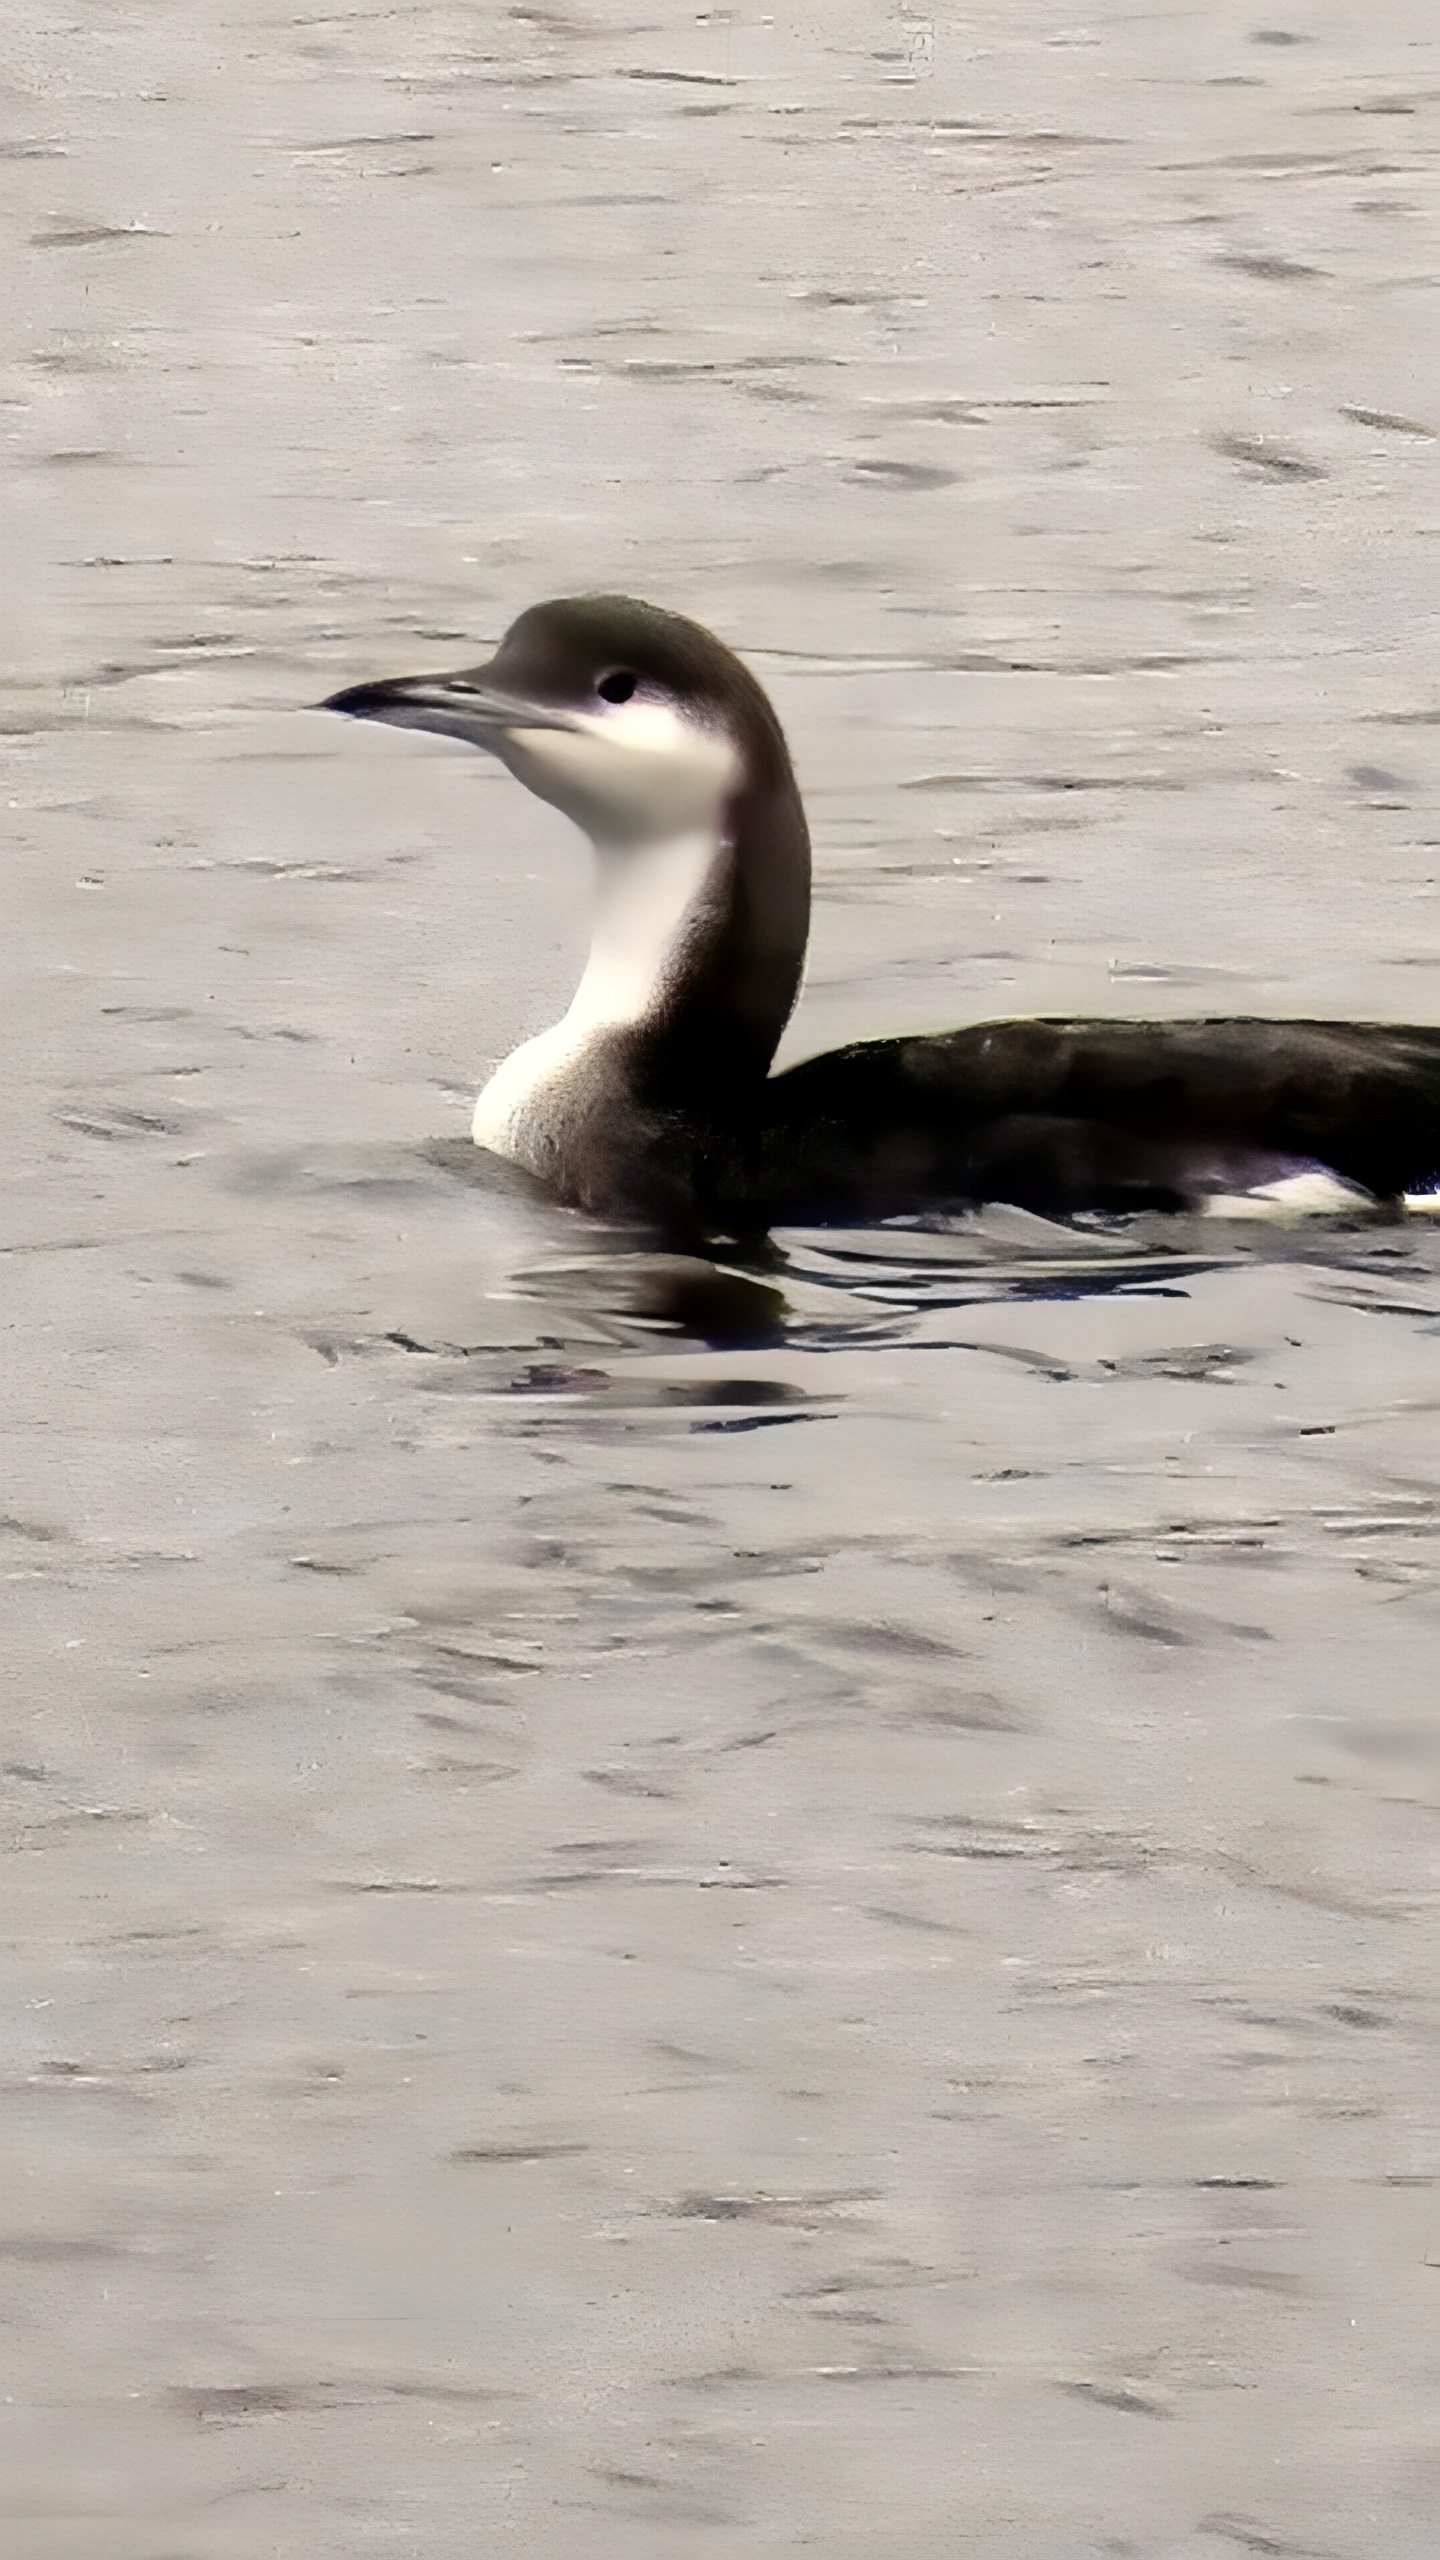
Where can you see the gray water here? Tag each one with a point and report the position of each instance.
(653, 1912)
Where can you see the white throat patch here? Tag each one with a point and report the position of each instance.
(629, 775)
(648, 787)
(645, 894)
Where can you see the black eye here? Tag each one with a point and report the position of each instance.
(618, 686)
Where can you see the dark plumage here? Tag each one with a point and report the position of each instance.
(653, 1097)
(1062, 1116)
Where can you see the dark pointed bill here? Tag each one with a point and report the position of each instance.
(458, 706)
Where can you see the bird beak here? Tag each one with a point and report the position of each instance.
(464, 706)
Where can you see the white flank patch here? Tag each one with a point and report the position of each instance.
(1423, 1204)
(1313, 1194)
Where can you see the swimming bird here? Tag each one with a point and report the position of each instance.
(653, 1100)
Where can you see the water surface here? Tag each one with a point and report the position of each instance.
(656, 1909)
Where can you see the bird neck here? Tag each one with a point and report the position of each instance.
(696, 956)
(732, 971)
(654, 904)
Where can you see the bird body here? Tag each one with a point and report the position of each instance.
(653, 1099)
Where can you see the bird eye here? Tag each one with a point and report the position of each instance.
(618, 686)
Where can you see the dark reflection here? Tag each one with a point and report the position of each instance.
(609, 1289)
(729, 1310)
(972, 1280)
(1006, 1254)
(673, 1294)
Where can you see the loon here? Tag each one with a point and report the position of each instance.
(653, 1100)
